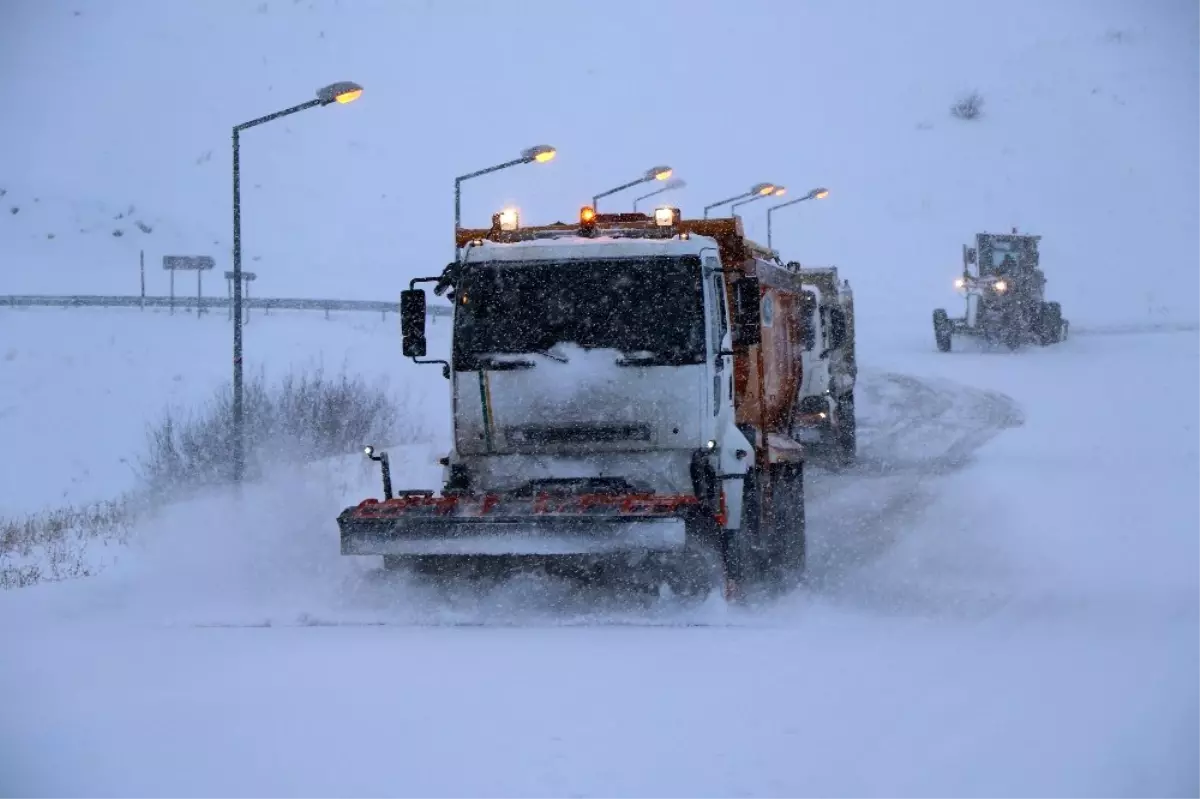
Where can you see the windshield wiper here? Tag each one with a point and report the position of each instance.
(647, 358)
(494, 363)
(552, 355)
(502, 362)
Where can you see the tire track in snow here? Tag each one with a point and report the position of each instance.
(912, 431)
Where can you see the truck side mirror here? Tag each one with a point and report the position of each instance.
(972, 255)
(747, 323)
(837, 328)
(412, 323)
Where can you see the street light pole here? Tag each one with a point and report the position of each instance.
(654, 173)
(777, 191)
(815, 194)
(540, 153)
(758, 188)
(670, 185)
(341, 92)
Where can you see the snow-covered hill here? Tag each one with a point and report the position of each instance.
(1087, 135)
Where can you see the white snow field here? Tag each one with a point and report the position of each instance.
(1001, 602)
(1003, 596)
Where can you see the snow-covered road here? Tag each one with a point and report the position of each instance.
(1002, 601)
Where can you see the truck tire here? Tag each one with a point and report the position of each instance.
(846, 430)
(787, 540)
(1011, 337)
(743, 548)
(1051, 326)
(941, 330)
(692, 575)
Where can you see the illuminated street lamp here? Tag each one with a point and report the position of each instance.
(777, 191)
(670, 185)
(540, 153)
(815, 194)
(654, 173)
(341, 92)
(761, 189)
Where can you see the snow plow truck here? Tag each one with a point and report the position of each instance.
(826, 418)
(1005, 296)
(625, 392)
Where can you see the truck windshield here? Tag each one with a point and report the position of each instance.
(649, 307)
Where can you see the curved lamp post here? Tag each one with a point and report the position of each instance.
(669, 186)
(777, 191)
(654, 173)
(762, 189)
(815, 194)
(341, 92)
(540, 153)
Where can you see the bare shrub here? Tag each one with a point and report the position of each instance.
(302, 418)
(59, 544)
(968, 107)
(306, 416)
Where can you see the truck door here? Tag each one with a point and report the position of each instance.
(722, 381)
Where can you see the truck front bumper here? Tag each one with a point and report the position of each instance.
(482, 526)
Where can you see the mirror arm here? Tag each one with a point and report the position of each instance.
(412, 284)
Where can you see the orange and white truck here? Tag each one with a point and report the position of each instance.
(625, 393)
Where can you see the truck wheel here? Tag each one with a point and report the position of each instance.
(846, 430)
(785, 545)
(1012, 337)
(790, 531)
(694, 574)
(1051, 326)
(742, 548)
(941, 329)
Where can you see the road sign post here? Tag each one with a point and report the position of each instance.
(197, 263)
(247, 278)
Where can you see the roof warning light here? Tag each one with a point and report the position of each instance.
(509, 219)
(666, 216)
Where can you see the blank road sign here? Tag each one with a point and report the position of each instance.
(197, 262)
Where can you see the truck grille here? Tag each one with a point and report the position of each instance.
(545, 435)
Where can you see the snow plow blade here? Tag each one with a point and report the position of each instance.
(415, 524)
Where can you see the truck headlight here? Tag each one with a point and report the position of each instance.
(1001, 286)
(960, 283)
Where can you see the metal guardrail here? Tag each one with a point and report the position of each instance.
(381, 307)
(187, 303)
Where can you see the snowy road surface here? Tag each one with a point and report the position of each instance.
(1003, 601)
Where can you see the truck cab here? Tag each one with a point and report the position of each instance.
(826, 418)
